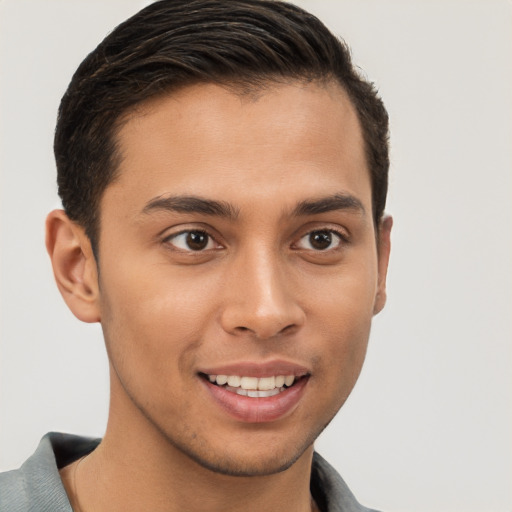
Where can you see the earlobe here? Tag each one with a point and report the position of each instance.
(74, 265)
(384, 247)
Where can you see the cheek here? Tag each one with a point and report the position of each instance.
(343, 320)
(153, 323)
(342, 356)
(155, 298)
(347, 342)
(344, 299)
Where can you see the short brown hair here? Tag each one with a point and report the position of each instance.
(175, 43)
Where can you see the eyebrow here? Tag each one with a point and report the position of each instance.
(191, 204)
(329, 204)
(195, 204)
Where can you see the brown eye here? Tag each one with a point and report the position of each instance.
(193, 240)
(197, 240)
(320, 240)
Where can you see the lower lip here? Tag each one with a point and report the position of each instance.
(257, 410)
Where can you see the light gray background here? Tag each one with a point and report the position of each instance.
(428, 427)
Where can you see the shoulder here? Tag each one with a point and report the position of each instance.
(330, 491)
(36, 485)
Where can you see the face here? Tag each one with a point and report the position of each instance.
(239, 271)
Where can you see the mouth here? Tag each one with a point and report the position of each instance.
(253, 387)
(262, 396)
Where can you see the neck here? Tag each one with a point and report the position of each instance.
(137, 468)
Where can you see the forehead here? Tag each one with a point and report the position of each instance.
(211, 140)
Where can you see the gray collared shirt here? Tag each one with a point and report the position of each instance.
(36, 486)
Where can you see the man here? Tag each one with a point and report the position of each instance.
(223, 173)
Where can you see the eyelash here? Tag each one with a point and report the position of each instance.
(201, 232)
(342, 239)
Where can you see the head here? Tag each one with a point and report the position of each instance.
(223, 171)
(245, 45)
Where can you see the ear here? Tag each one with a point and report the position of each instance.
(383, 249)
(74, 265)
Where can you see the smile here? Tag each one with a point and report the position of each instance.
(253, 387)
(252, 399)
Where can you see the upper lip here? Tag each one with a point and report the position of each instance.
(257, 369)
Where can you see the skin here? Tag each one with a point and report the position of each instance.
(258, 292)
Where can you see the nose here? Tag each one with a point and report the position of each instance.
(259, 298)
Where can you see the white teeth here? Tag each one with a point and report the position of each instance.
(221, 379)
(234, 381)
(270, 392)
(249, 382)
(253, 384)
(263, 394)
(266, 383)
(280, 381)
(254, 393)
(289, 379)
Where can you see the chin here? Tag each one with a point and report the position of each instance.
(246, 465)
(253, 455)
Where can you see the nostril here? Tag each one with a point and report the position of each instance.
(285, 330)
(288, 329)
(264, 322)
